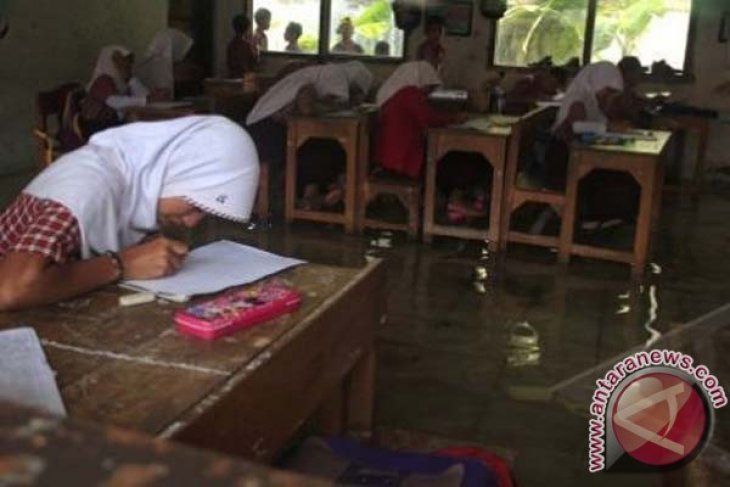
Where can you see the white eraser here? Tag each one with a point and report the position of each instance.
(136, 298)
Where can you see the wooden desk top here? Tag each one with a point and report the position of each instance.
(45, 450)
(487, 125)
(634, 147)
(129, 367)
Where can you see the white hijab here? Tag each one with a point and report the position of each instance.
(330, 80)
(105, 66)
(358, 75)
(415, 73)
(113, 184)
(590, 80)
(155, 69)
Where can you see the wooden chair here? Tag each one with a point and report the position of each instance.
(524, 136)
(49, 111)
(373, 184)
(406, 191)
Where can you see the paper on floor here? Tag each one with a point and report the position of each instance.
(25, 376)
(215, 267)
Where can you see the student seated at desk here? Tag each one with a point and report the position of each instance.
(542, 85)
(111, 89)
(241, 54)
(156, 69)
(405, 116)
(80, 223)
(593, 96)
(307, 91)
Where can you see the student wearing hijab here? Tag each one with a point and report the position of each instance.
(593, 96)
(241, 54)
(80, 223)
(156, 69)
(405, 116)
(307, 91)
(110, 90)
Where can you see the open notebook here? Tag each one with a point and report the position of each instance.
(215, 267)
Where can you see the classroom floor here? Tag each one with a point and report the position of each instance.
(447, 362)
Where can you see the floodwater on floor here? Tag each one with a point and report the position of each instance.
(504, 350)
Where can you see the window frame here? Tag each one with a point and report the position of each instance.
(686, 74)
(323, 53)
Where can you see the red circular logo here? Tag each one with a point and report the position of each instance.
(660, 419)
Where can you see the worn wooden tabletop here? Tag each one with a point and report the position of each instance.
(129, 367)
(37, 449)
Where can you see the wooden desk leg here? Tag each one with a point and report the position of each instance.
(361, 396)
(290, 197)
(430, 191)
(351, 150)
(571, 205)
(703, 133)
(495, 207)
(646, 179)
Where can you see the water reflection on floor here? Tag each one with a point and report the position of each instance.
(501, 350)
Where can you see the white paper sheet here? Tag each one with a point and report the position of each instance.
(25, 376)
(215, 267)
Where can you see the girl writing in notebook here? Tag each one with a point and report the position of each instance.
(80, 224)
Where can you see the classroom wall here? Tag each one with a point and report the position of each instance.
(51, 42)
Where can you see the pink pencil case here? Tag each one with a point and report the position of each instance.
(237, 310)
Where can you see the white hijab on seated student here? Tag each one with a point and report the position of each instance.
(156, 68)
(419, 74)
(587, 91)
(112, 185)
(333, 81)
(130, 92)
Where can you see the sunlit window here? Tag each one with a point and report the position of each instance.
(295, 25)
(364, 27)
(535, 30)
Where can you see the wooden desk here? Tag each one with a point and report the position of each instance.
(230, 98)
(76, 453)
(159, 111)
(351, 130)
(641, 159)
(246, 394)
(492, 145)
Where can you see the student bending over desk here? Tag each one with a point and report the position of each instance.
(111, 89)
(405, 116)
(80, 223)
(595, 95)
(308, 91)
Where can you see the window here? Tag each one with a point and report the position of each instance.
(304, 14)
(371, 25)
(593, 30)
(368, 26)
